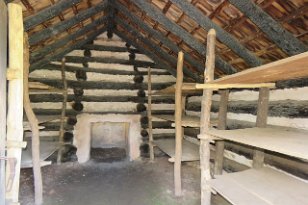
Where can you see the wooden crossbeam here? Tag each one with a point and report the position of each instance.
(159, 36)
(62, 42)
(273, 30)
(157, 50)
(109, 48)
(158, 16)
(62, 26)
(226, 38)
(48, 13)
(64, 51)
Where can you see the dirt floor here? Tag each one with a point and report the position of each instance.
(118, 183)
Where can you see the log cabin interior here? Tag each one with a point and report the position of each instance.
(154, 102)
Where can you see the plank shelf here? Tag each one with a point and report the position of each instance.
(264, 186)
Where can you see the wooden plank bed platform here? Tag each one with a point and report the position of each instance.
(285, 141)
(263, 186)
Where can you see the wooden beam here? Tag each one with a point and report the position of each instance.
(109, 60)
(111, 23)
(15, 99)
(63, 25)
(64, 51)
(156, 49)
(48, 13)
(158, 16)
(63, 41)
(3, 95)
(159, 36)
(273, 30)
(226, 38)
(206, 103)
(149, 110)
(109, 48)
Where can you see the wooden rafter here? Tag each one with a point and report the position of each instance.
(274, 31)
(226, 38)
(48, 13)
(157, 15)
(199, 66)
(56, 29)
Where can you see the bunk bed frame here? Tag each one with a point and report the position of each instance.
(259, 185)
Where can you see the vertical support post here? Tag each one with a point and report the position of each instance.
(15, 97)
(205, 120)
(150, 129)
(3, 66)
(61, 131)
(222, 122)
(258, 155)
(38, 184)
(178, 126)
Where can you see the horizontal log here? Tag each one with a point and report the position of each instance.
(285, 108)
(109, 71)
(100, 85)
(53, 97)
(110, 60)
(292, 83)
(48, 13)
(110, 48)
(73, 112)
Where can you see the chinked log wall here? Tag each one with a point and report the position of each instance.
(287, 107)
(106, 77)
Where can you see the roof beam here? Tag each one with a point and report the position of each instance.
(274, 31)
(158, 35)
(62, 26)
(64, 51)
(62, 42)
(109, 48)
(157, 50)
(48, 13)
(158, 16)
(226, 38)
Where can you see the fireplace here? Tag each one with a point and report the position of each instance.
(95, 134)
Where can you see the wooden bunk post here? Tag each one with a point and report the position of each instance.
(150, 129)
(258, 155)
(15, 99)
(205, 121)
(222, 121)
(38, 184)
(178, 126)
(61, 131)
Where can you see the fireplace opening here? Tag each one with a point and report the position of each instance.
(109, 141)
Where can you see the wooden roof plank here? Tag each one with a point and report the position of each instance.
(48, 13)
(157, 15)
(62, 26)
(226, 38)
(274, 31)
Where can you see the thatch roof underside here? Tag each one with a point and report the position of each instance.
(249, 33)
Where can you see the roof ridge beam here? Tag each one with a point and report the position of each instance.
(273, 30)
(63, 41)
(158, 16)
(158, 35)
(157, 49)
(64, 51)
(48, 13)
(63, 25)
(226, 38)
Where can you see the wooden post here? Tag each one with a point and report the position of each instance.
(15, 97)
(61, 131)
(258, 155)
(205, 120)
(3, 66)
(150, 115)
(38, 184)
(178, 126)
(222, 121)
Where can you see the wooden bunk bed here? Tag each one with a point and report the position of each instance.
(251, 186)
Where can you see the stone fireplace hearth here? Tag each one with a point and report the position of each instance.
(106, 131)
